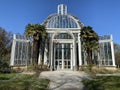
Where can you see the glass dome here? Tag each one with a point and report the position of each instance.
(62, 19)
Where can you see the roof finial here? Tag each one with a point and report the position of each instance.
(62, 9)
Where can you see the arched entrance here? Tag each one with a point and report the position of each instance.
(63, 51)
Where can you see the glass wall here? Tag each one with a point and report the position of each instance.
(23, 53)
(105, 57)
(22, 50)
(105, 53)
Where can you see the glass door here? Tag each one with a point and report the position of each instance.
(67, 56)
(62, 56)
(58, 56)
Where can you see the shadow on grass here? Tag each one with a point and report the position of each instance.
(22, 82)
(103, 83)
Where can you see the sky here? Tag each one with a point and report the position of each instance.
(102, 15)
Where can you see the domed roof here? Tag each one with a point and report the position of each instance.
(62, 19)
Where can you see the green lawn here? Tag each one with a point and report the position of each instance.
(22, 82)
(103, 83)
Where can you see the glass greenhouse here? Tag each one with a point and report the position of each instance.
(63, 46)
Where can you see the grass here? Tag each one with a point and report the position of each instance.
(103, 83)
(22, 82)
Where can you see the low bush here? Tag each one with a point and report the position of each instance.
(93, 69)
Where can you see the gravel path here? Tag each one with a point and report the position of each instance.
(64, 80)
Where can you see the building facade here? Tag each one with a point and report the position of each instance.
(62, 49)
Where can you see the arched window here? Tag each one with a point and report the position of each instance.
(63, 36)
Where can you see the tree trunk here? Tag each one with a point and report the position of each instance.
(36, 47)
(89, 56)
(42, 49)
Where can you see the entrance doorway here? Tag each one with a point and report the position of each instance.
(63, 56)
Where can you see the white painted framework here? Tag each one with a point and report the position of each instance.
(22, 58)
(56, 24)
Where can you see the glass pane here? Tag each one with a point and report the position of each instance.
(63, 36)
(61, 21)
(65, 64)
(67, 51)
(58, 51)
(56, 62)
(68, 62)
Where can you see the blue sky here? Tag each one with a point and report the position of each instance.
(102, 15)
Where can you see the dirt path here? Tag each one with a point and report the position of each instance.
(64, 80)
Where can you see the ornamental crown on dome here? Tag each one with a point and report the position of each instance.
(62, 9)
(62, 19)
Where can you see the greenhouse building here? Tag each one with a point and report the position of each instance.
(62, 49)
